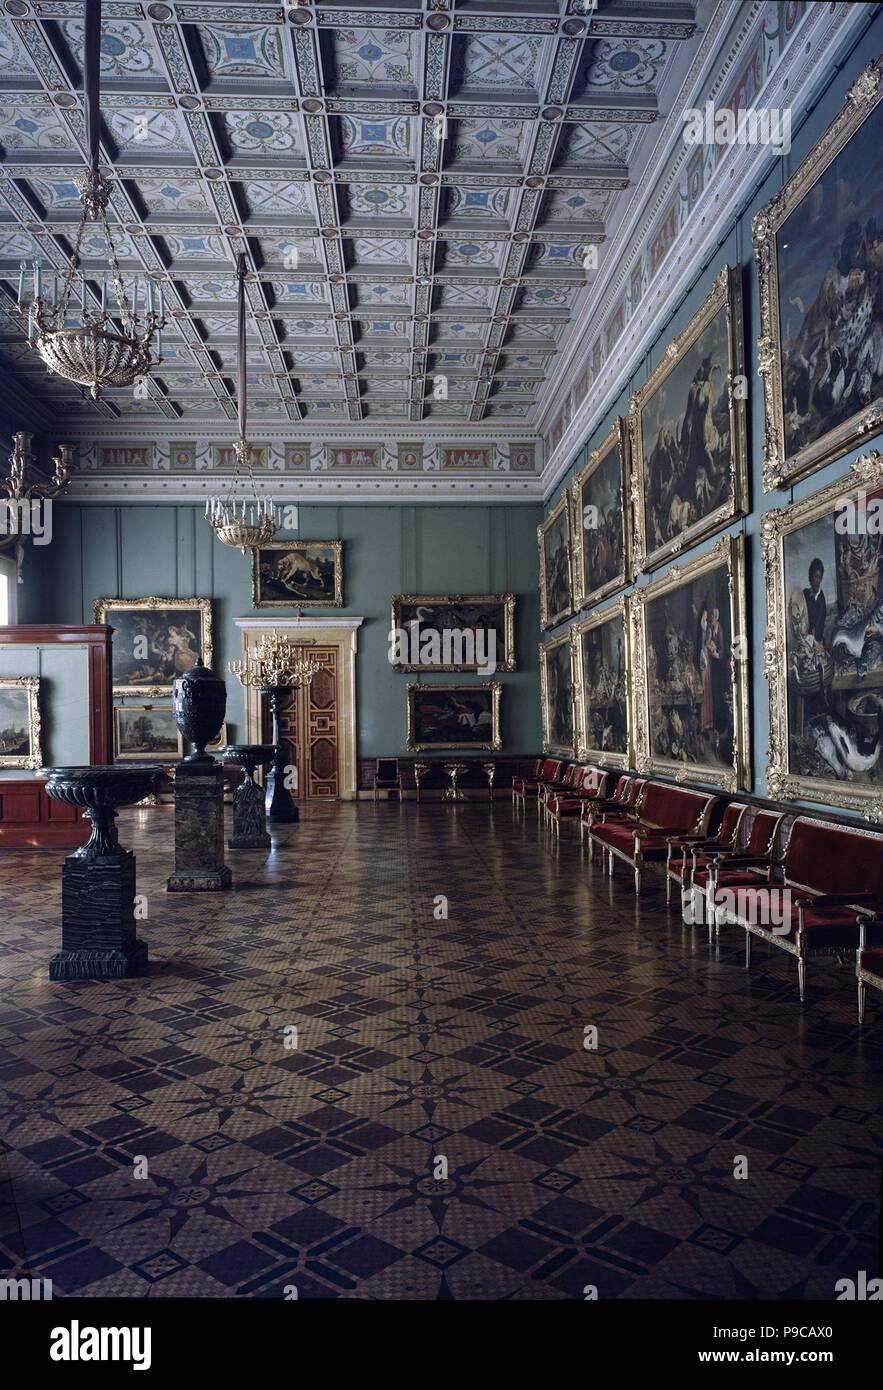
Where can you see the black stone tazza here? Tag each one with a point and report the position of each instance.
(249, 822)
(98, 940)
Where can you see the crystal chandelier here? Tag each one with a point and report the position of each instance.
(240, 517)
(93, 346)
(20, 504)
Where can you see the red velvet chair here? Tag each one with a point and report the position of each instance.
(664, 812)
(832, 875)
(622, 805)
(868, 969)
(591, 788)
(567, 779)
(696, 849)
(735, 868)
(524, 788)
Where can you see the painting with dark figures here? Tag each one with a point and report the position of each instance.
(553, 536)
(690, 687)
(688, 438)
(144, 732)
(834, 651)
(603, 687)
(297, 574)
(600, 562)
(454, 717)
(453, 632)
(829, 259)
(556, 674)
(155, 641)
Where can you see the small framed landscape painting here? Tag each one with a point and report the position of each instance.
(20, 722)
(143, 733)
(454, 717)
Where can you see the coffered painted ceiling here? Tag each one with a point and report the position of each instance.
(415, 189)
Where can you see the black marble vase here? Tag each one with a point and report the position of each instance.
(98, 940)
(249, 820)
(199, 703)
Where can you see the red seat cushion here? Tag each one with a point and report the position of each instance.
(872, 961)
(731, 878)
(768, 907)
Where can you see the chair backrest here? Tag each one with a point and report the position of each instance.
(636, 790)
(570, 772)
(537, 768)
(732, 819)
(387, 769)
(550, 769)
(833, 858)
(764, 829)
(595, 781)
(621, 790)
(675, 808)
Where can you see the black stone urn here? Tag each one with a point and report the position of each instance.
(99, 791)
(98, 940)
(249, 822)
(199, 703)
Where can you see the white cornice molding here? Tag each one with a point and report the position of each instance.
(323, 489)
(336, 624)
(798, 77)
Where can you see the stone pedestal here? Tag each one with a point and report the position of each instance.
(249, 824)
(98, 940)
(199, 830)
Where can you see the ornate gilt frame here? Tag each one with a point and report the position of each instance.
(496, 742)
(725, 295)
(119, 757)
(548, 619)
(507, 604)
(546, 647)
(203, 606)
(584, 751)
(583, 598)
(336, 602)
(865, 473)
(729, 551)
(34, 759)
(779, 471)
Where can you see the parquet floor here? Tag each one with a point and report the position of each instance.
(440, 1129)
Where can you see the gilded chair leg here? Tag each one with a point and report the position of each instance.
(667, 887)
(861, 1001)
(747, 949)
(610, 863)
(801, 976)
(637, 879)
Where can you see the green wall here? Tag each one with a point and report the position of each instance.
(132, 551)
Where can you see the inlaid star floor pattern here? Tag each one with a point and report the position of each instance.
(426, 1045)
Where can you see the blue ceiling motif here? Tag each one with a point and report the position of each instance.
(413, 189)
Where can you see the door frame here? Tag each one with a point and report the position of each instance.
(338, 632)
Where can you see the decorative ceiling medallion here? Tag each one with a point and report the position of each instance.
(18, 8)
(66, 100)
(552, 113)
(323, 176)
(535, 181)
(572, 27)
(300, 16)
(429, 180)
(433, 108)
(213, 172)
(313, 106)
(437, 22)
(189, 103)
(160, 12)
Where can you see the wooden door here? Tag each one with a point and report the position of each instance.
(310, 731)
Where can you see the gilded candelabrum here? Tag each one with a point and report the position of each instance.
(274, 667)
(22, 508)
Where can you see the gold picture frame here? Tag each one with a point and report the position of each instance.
(585, 594)
(549, 654)
(312, 552)
(27, 708)
(178, 657)
(725, 297)
(587, 750)
(794, 685)
(417, 743)
(550, 616)
(685, 690)
(147, 754)
(506, 603)
(780, 470)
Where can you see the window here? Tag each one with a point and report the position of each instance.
(7, 590)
